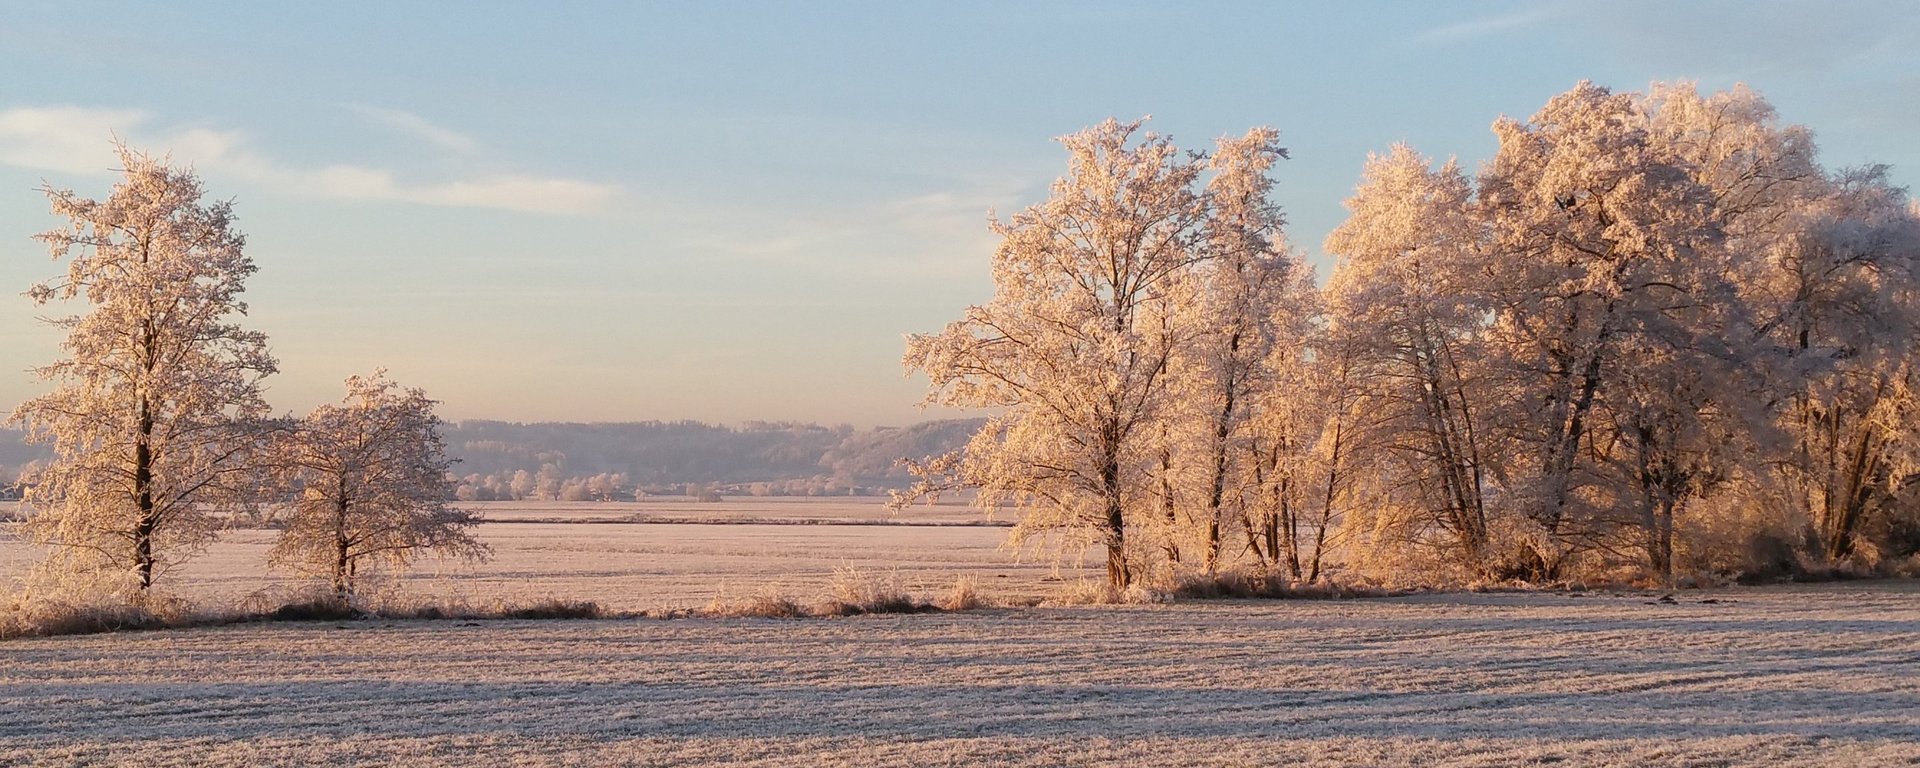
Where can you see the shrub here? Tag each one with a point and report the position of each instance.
(962, 597)
(35, 613)
(554, 608)
(856, 592)
(766, 605)
(1099, 592)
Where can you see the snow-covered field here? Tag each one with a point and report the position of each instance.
(1807, 675)
(1821, 674)
(588, 552)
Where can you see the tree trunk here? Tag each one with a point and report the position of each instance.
(1662, 540)
(1118, 576)
(143, 496)
(1564, 446)
(1844, 517)
(342, 548)
(1217, 485)
(1166, 497)
(1290, 527)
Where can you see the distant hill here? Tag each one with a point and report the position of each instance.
(786, 456)
(574, 461)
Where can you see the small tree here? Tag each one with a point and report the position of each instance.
(159, 406)
(370, 485)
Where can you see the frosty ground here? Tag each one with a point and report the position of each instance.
(661, 555)
(1819, 674)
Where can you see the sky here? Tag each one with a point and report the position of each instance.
(734, 211)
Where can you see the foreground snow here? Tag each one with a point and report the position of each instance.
(1803, 675)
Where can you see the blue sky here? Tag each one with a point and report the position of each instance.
(734, 210)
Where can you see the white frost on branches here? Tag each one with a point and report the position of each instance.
(370, 485)
(158, 407)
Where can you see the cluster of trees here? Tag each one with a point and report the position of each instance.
(1651, 335)
(549, 484)
(158, 425)
(16, 458)
(507, 461)
(623, 461)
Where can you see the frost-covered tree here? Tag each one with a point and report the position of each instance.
(1408, 315)
(370, 487)
(1071, 344)
(1255, 297)
(1641, 302)
(157, 409)
(1290, 465)
(1845, 291)
(1597, 235)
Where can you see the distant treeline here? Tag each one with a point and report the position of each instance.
(600, 462)
(501, 460)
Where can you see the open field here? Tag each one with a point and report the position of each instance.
(1803, 675)
(595, 551)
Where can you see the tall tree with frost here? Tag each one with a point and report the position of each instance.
(370, 485)
(1407, 315)
(1288, 459)
(1596, 231)
(1848, 280)
(1253, 289)
(1811, 293)
(1070, 346)
(158, 405)
(1676, 422)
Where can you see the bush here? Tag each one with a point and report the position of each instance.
(327, 608)
(26, 613)
(1267, 585)
(766, 605)
(1094, 592)
(857, 592)
(962, 597)
(554, 608)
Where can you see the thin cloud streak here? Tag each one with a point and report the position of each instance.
(70, 139)
(1485, 26)
(418, 127)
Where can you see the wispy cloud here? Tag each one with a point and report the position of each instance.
(942, 232)
(71, 139)
(67, 139)
(1486, 26)
(418, 127)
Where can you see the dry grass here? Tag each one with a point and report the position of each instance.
(653, 568)
(43, 617)
(857, 592)
(964, 596)
(852, 592)
(1239, 584)
(765, 605)
(1099, 592)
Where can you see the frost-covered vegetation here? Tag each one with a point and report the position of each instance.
(1652, 338)
(574, 462)
(655, 557)
(1799, 675)
(502, 461)
(160, 433)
